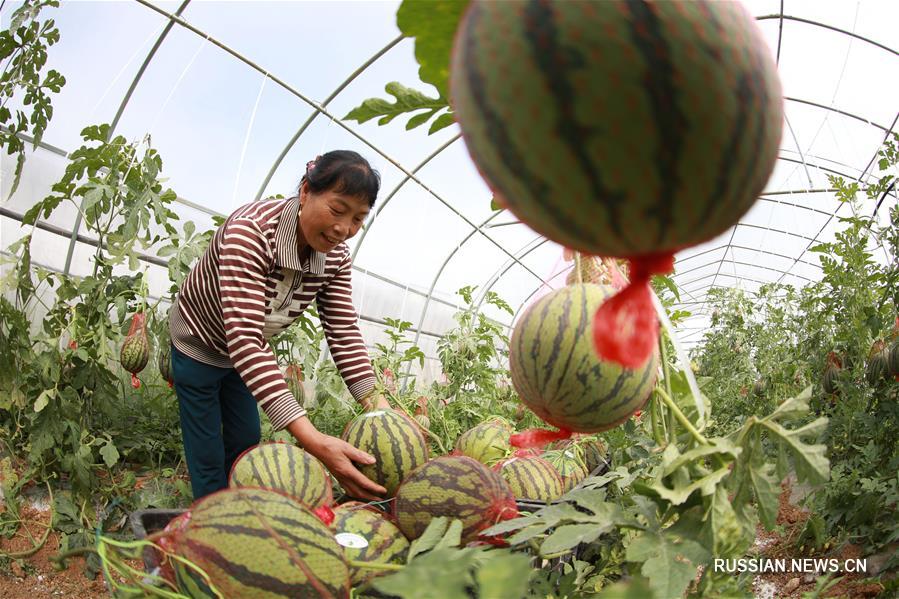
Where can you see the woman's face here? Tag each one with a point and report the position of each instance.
(330, 218)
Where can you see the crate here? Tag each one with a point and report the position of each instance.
(146, 522)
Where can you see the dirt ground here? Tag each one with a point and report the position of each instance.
(35, 576)
(783, 585)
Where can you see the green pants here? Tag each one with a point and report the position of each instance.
(219, 420)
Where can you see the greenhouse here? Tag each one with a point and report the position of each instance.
(449, 298)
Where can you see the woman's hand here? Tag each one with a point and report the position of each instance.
(338, 456)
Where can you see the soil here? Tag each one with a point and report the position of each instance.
(35, 576)
(774, 544)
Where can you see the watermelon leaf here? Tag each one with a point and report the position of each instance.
(433, 25)
(110, 454)
(571, 535)
(503, 574)
(406, 100)
(811, 461)
(433, 536)
(669, 563)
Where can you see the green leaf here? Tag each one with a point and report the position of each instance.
(504, 574)
(43, 399)
(766, 491)
(110, 454)
(669, 564)
(429, 538)
(568, 536)
(722, 531)
(433, 25)
(439, 574)
(811, 461)
(442, 122)
(406, 100)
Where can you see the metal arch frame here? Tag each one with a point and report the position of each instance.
(740, 263)
(805, 164)
(115, 121)
(783, 17)
(742, 247)
(287, 87)
(383, 204)
(763, 198)
(734, 276)
(858, 179)
(293, 140)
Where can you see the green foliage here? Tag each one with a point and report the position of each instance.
(437, 567)
(433, 25)
(394, 357)
(23, 48)
(70, 410)
(407, 100)
(669, 512)
(784, 336)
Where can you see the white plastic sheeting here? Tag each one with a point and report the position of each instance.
(234, 82)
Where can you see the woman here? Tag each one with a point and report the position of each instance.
(263, 267)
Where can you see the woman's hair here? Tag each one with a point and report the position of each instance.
(344, 172)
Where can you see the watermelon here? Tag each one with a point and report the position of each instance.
(487, 442)
(894, 360)
(135, 351)
(532, 479)
(293, 376)
(619, 128)
(571, 469)
(558, 375)
(588, 449)
(395, 442)
(832, 369)
(259, 543)
(285, 468)
(878, 366)
(455, 487)
(164, 362)
(368, 535)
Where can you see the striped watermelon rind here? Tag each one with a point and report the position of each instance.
(259, 543)
(570, 467)
(285, 468)
(532, 479)
(618, 128)
(487, 442)
(556, 371)
(455, 487)
(394, 440)
(384, 541)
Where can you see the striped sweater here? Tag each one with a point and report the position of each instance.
(252, 284)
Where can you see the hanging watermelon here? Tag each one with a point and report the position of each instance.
(629, 129)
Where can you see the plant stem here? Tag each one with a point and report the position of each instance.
(685, 422)
(666, 372)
